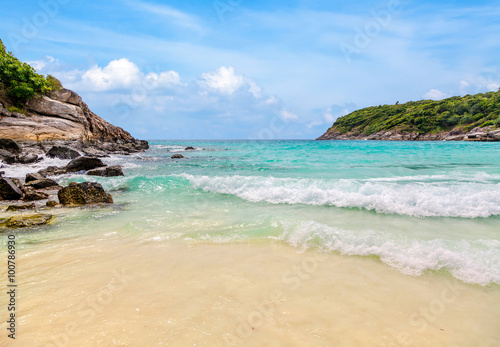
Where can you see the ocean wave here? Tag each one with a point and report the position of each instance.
(420, 197)
(475, 262)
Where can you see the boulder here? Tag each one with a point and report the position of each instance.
(43, 183)
(20, 207)
(34, 177)
(62, 152)
(67, 96)
(83, 194)
(52, 171)
(10, 146)
(189, 148)
(28, 158)
(33, 195)
(51, 203)
(7, 157)
(28, 221)
(9, 190)
(84, 164)
(108, 171)
(177, 156)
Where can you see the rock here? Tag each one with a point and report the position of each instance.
(177, 156)
(66, 96)
(84, 164)
(51, 203)
(28, 158)
(18, 183)
(9, 190)
(28, 221)
(10, 146)
(62, 152)
(52, 171)
(83, 194)
(189, 148)
(34, 177)
(43, 183)
(33, 195)
(2, 173)
(108, 171)
(7, 157)
(20, 207)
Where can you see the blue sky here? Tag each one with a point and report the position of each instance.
(235, 69)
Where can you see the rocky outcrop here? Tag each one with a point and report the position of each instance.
(62, 118)
(108, 171)
(83, 194)
(476, 134)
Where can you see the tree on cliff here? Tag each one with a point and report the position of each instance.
(20, 80)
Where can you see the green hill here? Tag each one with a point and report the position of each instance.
(424, 117)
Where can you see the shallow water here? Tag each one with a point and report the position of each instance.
(273, 243)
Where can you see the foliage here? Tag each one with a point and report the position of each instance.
(425, 116)
(21, 81)
(15, 109)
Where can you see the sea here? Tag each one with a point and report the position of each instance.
(269, 243)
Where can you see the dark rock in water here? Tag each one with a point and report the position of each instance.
(33, 195)
(20, 207)
(189, 148)
(108, 171)
(83, 194)
(9, 190)
(84, 164)
(28, 221)
(34, 177)
(43, 183)
(62, 152)
(10, 146)
(28, 158)
(52, 171)
(177, 156)
(18, 183)
(7, 156)
(51, 203)
(2, 173)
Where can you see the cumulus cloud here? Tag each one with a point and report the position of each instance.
(121, 73)
(223, 80)
(39, 65)
(287, 115)
(163, 79)
(435, 94)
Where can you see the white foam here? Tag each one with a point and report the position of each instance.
(476, 262)
(425, 197)
(20, 170)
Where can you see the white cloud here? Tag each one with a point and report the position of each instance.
(121, 73)
(42, 63)
(170, 14)
(223, 80)
(287, 115)
(163, 78)
(435, 94)
(493, 87)
(314, 124)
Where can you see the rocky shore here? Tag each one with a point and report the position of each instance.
(56, 126)
(476, 134)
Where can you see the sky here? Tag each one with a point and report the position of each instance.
(239, 69)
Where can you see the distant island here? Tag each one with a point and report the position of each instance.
(468, 118)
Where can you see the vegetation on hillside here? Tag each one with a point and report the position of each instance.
(426, 116)
(20, 80)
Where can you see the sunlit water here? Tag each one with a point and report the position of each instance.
(273, 243)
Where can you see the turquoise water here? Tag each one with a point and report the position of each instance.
(415, 206)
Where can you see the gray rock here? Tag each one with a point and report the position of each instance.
(28, 158)
(52, 171)
(62, 152)
(84, 164)
(83, 194)
(34, 177)
(189, 148)
(10, 146)
(177, 156)
(108, 171)
(9, 190)
(43, 183)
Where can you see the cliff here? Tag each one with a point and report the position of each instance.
(63, 118)
(468, 118)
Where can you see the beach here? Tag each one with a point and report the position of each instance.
(278, 243)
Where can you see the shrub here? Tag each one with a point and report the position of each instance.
(20, 80)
